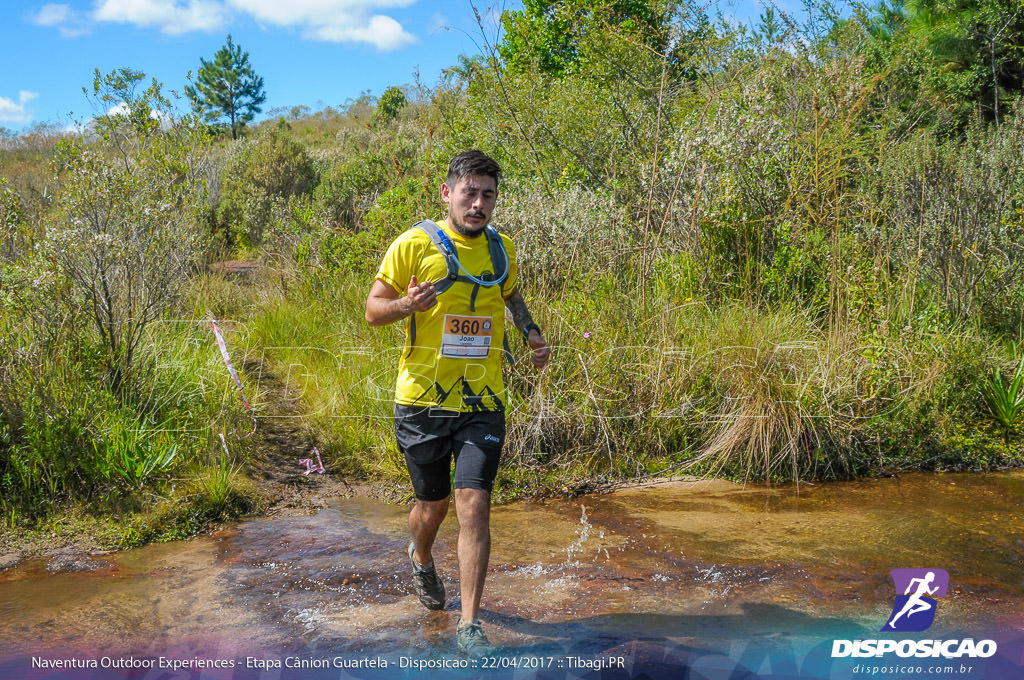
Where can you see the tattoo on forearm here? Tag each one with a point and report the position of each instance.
(517, 308)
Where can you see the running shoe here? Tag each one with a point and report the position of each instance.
(428, 586)
(473, 641)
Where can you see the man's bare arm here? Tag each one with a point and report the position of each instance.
(516, 306)
(384, 305)
(517, 309)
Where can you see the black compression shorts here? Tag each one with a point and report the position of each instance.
(429, 438)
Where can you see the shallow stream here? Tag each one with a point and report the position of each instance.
(656, 570)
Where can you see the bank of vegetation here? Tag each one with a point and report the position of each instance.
(792, 250)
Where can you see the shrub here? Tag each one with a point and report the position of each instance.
(564, 235)
(951, 217)
(388, 106)
(260, 177)
(348, 188)
(125, 238)
(12, 224)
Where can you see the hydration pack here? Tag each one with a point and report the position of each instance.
(456, 273)
(499, 261)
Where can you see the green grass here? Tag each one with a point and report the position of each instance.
(66, 439)
(1005, 401)
(723, 388)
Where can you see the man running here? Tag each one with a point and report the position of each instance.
(916, 602)
(453, 280)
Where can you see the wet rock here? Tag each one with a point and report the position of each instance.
(73, 562)
(9, 560)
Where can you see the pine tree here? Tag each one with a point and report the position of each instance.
(388, 106)
(227, 87)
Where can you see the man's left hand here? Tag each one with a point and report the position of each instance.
(541, 350)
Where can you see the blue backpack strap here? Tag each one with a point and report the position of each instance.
(499, 257)
(450, 258)
(500, 263)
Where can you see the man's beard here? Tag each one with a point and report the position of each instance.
(465, 230)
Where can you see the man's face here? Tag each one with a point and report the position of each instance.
(470, 203)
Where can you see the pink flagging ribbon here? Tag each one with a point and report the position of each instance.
(310, 466)
(234, 374)
(227, 362)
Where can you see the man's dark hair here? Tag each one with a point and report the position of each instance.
(472, 162)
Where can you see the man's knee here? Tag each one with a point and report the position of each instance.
(432, 512)
(472, 505)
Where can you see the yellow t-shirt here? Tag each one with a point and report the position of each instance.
(454, 361)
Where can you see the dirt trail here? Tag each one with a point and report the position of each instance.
(284, 438)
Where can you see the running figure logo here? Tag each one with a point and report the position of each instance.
(914, 610)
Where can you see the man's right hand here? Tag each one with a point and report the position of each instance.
(386, 305)
(420, 296)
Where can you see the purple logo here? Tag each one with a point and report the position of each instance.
(914, 609)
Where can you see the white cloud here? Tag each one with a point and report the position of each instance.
(310, 12)
(170, 16)
(383, 32)
(350, 21)
(17, 113)
(118, 109)
(347, 21)
(52, 15)
(68, 21)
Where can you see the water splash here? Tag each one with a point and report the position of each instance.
(582, 534)
(531, 570)
(311, 619)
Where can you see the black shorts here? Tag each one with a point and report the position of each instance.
(429, 438)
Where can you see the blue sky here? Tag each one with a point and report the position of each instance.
(309, 52)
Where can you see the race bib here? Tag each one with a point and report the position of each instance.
(466, 337)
